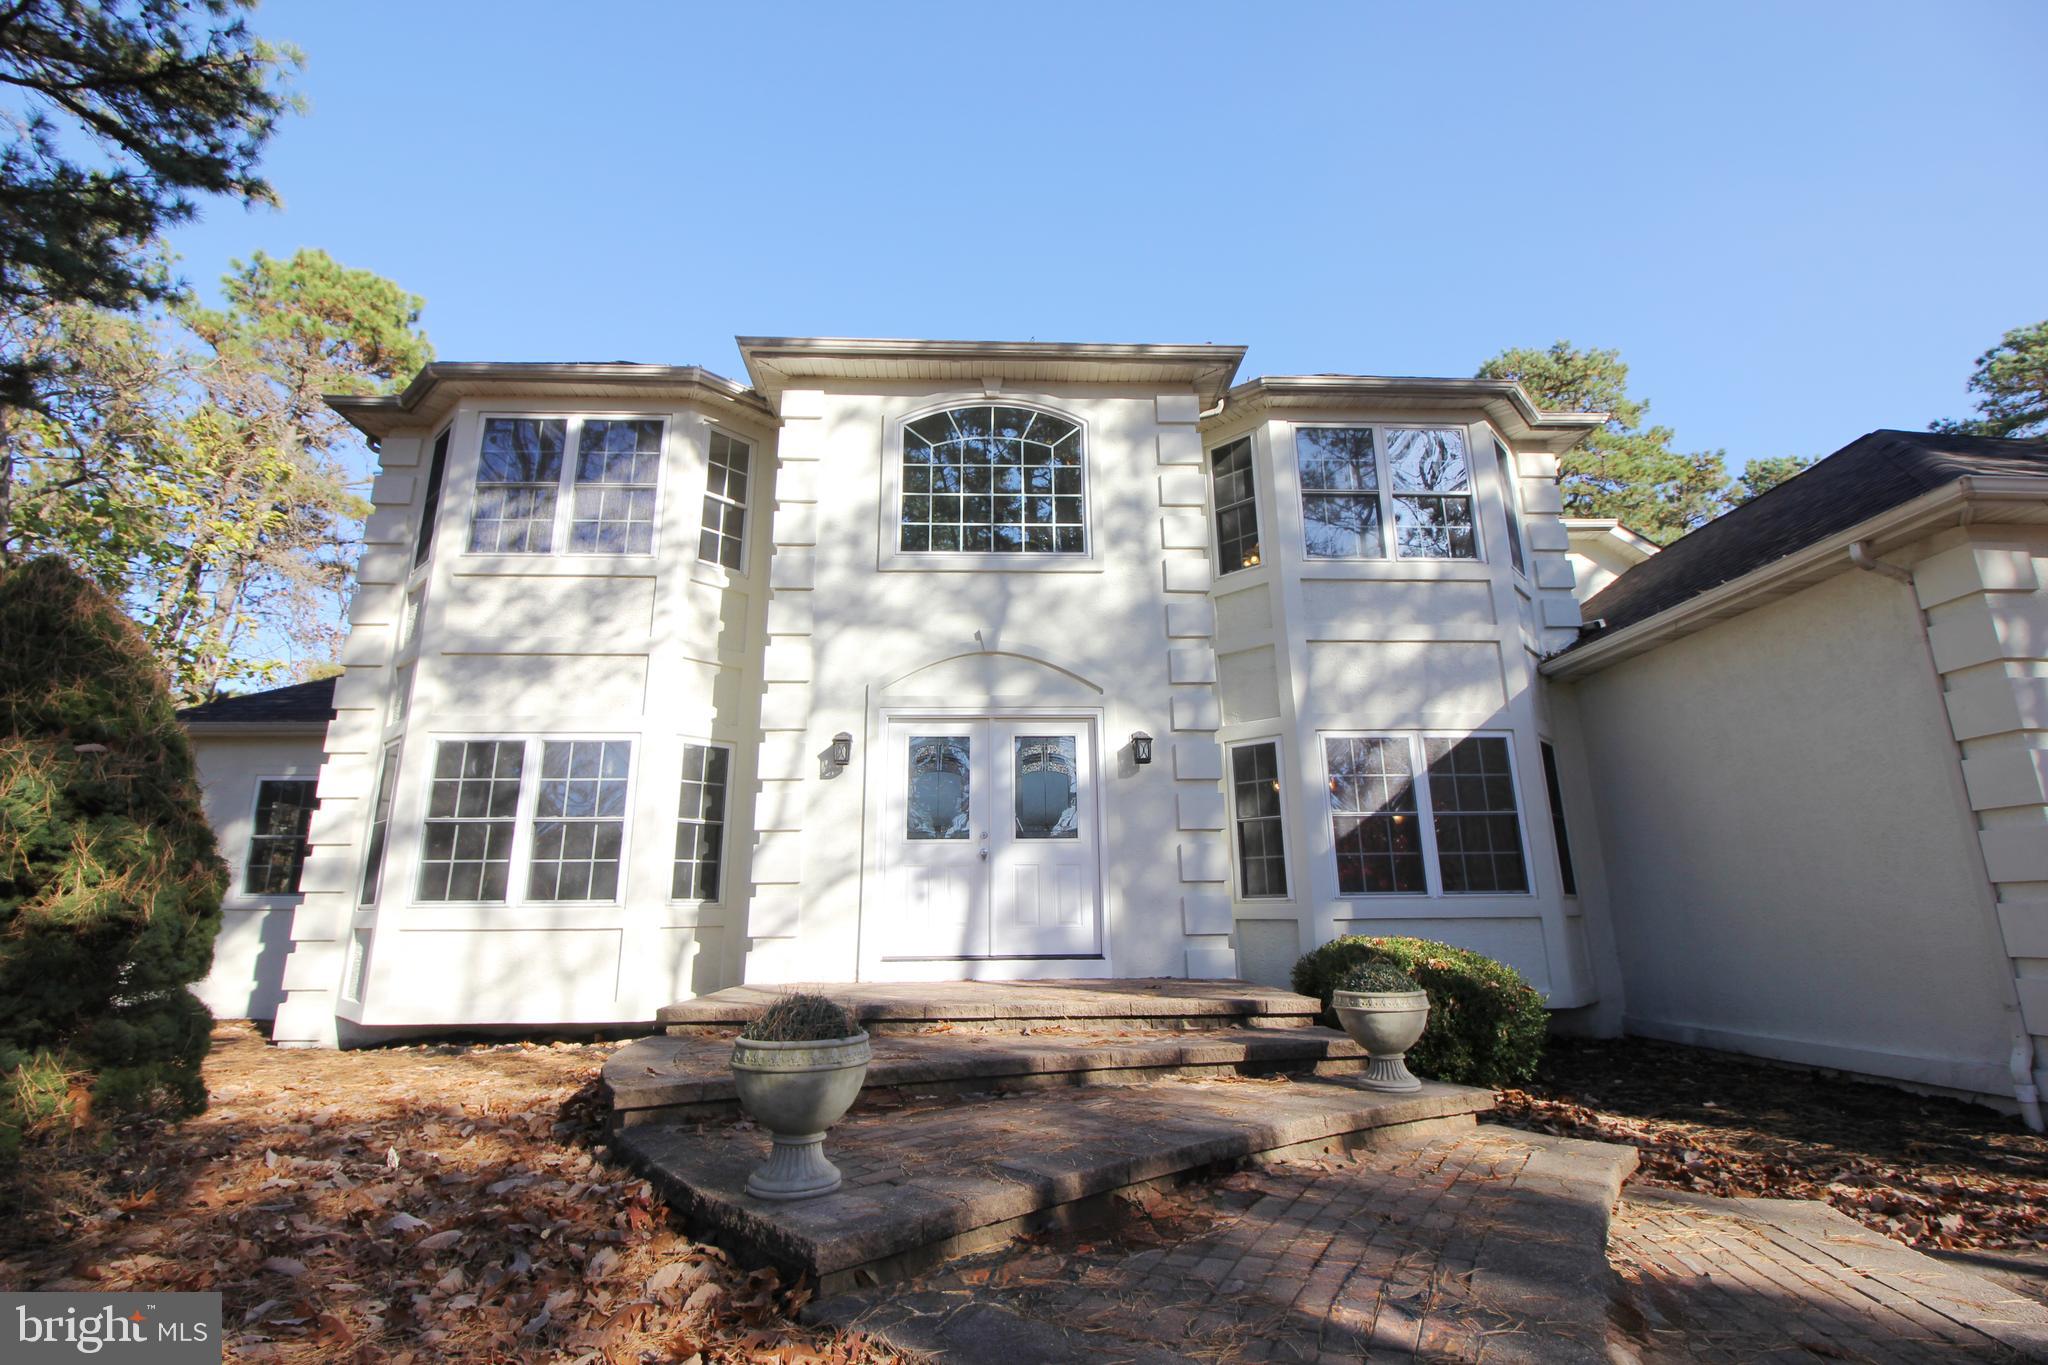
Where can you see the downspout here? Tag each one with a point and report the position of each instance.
(2020, 1062)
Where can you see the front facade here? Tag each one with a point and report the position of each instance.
(917, 660)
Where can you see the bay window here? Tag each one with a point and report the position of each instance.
(522, 463)
(1356, 480)
(1424, 815)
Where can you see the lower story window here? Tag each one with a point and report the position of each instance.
(1555, 791)
(1255, 809)
(472, 809)
(277, 844)
(700, 822)
(579, 820)
(1391, 831)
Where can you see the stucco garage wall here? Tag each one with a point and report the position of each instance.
(1790, 857)
(247, 980)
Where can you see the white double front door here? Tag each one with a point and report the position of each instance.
(990, 840)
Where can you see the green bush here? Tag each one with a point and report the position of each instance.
(1486, 1024)
(110, 883)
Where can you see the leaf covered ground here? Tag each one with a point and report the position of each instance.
(1932, 1173)
(441, 1202)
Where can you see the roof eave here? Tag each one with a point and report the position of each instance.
(416, 405)
(1506, 403)
(769, 360)
(1895, 526)
(257, 729)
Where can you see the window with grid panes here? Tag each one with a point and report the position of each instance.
(700, 823)
(430, 500)
(380, 825)
(1555, 791)
(472, 808)
(1255, 808)
(579, 820)
(1340, 498)
(1374, 816)
(1431, 481)
(1473, 813)
(618, 465)
(992, 479)
(277, 844)
(518, 478)
(722, 540)
(1511, 499)
(1232, 494)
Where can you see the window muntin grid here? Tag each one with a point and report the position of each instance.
(1340, 497)
(518, 478)
(992, 479)
(1233, 495)
(1511, 499)
(700, 822)
(1255, 810)
(1374, 818)
(722, 539)
(277, 840)
(472, 809)
(618, 465)
(1474, 817)
(579, 820)
(1430, 475)
(380, 825)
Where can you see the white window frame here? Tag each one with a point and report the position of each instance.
(518, 877)
(1425, 813)
(1230, 813)
(1384, 494)
(754, 487)
(1512, 511)
(675, 818)
(1216, 511)
(270, 898)
(892, 558)
(565, 487)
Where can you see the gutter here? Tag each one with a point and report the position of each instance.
(255, 729)
(2020, 1061)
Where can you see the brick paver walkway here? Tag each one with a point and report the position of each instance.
(1481, 1244)
(1746, 1279)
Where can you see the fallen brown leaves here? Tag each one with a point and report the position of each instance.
(403, 1204)
(1929, 1172)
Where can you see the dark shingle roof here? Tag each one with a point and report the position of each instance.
(1869, 475)
(306, 701)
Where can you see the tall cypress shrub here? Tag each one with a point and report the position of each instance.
(110, 880)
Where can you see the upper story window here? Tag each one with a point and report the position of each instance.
(1354, 480)
(722, 540)
(519, 475)
(1511, 499)
(993, 479)
(430, 501)
(1232, 494)
(618, 464)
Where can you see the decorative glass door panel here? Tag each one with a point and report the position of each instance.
(990, 840)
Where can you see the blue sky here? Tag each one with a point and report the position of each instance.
(1797, 222)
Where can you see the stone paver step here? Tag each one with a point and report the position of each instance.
(688, 1075)
(925, 1184)
(895, 1007)
(1483, 1245)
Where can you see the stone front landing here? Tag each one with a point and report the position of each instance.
(885, 1007)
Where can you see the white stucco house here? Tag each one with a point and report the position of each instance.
(917, 660)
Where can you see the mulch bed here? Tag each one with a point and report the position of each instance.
(1932, 1173)
(443, 1202)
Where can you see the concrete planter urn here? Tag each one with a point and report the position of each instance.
(797, 1090)
(1386, 1024)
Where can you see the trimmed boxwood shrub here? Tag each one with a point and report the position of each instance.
(110, 883)
(1486, 1024)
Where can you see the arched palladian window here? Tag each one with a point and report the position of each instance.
(993, 479)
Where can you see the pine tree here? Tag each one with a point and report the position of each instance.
(110, 881)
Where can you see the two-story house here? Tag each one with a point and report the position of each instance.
(911, 660)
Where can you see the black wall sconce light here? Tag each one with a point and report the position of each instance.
(1141, 747)
(842, 749)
